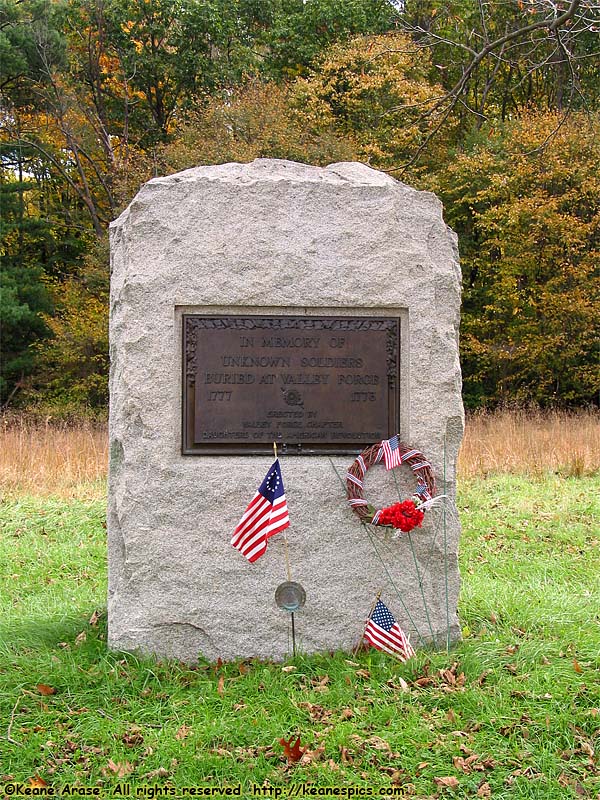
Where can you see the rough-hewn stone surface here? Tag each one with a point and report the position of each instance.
(281, 238)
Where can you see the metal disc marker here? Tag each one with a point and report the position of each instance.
(290, 596)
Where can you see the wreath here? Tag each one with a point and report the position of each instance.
(404, 515)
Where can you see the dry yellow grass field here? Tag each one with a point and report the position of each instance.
(44, 457)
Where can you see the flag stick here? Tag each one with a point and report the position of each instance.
(285, 541)
(378, 595)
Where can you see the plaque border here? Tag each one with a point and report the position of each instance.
(192, 323)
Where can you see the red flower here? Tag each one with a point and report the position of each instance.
(405, 516)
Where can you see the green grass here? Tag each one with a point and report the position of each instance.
(513, 711)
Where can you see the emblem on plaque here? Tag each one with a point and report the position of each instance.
(292, 397)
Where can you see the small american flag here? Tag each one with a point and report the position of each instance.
(391, 452)
(384, 633)
(266, 515)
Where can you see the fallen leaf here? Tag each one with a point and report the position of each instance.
(80, 638)
(320, 684)
(183, 733)
(422, 682)
(586, 747)
(346, 713)
(133, 736)
(93, 620)
(46, 690)
(363, 673)
(468, 764)
(293, 752)
(36, 782)
(120, 769)
(451, 716)
(447, 782)
(317, 712)
(221, 685)
(161, 772)
(346, 757)
(577, 666)
(379, 744)
(308, 756)
(291, 668)
(484, 790)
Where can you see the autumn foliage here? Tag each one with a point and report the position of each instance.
(99, 97)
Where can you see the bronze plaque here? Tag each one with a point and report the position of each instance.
(311, 384)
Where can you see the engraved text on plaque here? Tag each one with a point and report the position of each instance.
(311, 384)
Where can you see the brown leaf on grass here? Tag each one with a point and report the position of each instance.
(133, 736)
(363, 673)
(80, 638)
(320, 684)
(120, 769)
(401, 685)
(586, 747)
(93, 620)
(483, 677)
(577, 666)
(451, 716)
(571, 783)
(309, 756)
(221, 685)
(293, 752)
(422, 682)
(46, 690)
(36, 782)
(317, 712)
(289, 668)
(345, 755)
(161, 772)
(379, 744)
(484, 790)
(512, 668)
(346, 713)
(466, 765)
(183, 733)
(447, 782)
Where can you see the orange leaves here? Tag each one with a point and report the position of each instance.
(45, 690)
(293, 752)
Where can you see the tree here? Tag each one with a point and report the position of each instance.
(497, 59)
(257, 121)
(371, 91)
(529, 230)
